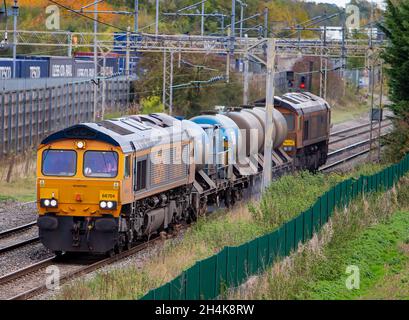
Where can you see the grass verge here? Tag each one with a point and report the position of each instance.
(22, 190)
(372, 234)
(208, 236)
(351, 106)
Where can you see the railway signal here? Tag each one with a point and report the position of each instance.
(290, 79)
(302, 83)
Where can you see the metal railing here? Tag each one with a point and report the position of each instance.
(28, 114)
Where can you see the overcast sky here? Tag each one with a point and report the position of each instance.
(341, 3)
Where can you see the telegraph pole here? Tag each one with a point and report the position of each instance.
(268, 138)
(202, 19)
(136, 16)
(103, 86)
(233, 20)
(171, 85)
(265, 22)
(380, 114)
(127, 53)
(95, 59)
(343, 52)
(228, 59)
(242, 5)
(372, 68)
(246, 73)
(15, 14)
(164, 80)
(157, 18)
(69, 52)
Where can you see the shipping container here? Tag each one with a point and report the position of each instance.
(108, 67)
(120, 43)
(83, 68)
(113, 62)
(6, 68)
(61, 67)
(33, 69)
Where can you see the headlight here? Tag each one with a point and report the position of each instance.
(80, 144)
(108, 205)
(47, 203)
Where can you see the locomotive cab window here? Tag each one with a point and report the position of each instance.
(59, 163)
(127, 167)
(289, 118)
(100, 164)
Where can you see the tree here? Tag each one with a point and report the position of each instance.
(396, 29)
(151, 104)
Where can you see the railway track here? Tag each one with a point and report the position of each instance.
(19, 244)
(31, 281)
(347, 149)
(23, 227)
(7, 236)
(355, 134)
(386, 121)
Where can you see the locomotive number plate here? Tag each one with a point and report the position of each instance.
(289, 143)
(108, 195)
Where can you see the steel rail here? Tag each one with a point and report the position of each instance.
(353, 146)
(19, 244)
(337, 163)
(17, 229)
(25, 271)
(356, 134)
(360, 126)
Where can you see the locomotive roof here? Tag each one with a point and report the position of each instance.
(128, 133)
(299, 102)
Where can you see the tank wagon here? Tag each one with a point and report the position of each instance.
(103, 186)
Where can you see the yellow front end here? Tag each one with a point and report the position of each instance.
(79, 195)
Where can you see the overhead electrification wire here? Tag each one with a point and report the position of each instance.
(85, 16)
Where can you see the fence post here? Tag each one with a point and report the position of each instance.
(16, 124)
(31, 118)
(2, 133)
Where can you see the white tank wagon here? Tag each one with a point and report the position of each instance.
(252, 132)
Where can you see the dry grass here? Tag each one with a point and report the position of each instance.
(22, 183)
